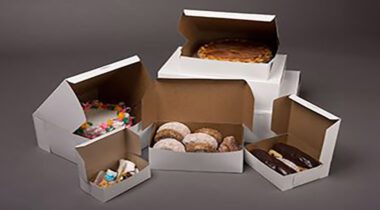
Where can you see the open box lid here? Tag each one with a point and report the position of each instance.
(205, 26)
(104, 153)
(312, 129)
(198, 100)
(129, 80)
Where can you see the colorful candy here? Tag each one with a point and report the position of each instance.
(122, 118)
(106, 178)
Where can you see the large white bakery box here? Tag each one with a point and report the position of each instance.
(281, 82)
(61, 113)
(305, 126)
(200, 27)
(225, 105)
(105, 153)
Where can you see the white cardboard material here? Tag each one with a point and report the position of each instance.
(280, 83)
(226, 162)
(189, 29)
(61, 113)
(263, 119)
(105, 194)
(297, 179)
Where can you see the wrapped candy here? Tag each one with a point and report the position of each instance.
(106, 178)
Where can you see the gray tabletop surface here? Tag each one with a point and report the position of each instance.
(334, 43)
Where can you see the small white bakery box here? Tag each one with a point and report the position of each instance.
(200, 27)
(61, 113)
(225, 105)
(105, 153)
(305, 126)
(263, 119)
(280, 83)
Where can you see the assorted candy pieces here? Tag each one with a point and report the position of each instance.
(122, 118)
(106, 178)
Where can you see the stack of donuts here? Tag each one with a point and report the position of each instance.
(285, 159)
(177, 137)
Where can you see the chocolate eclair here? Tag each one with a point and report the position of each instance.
(272, 162)
(295, 155)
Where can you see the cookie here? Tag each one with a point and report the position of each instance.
(200, 142)
(170, 144)
(212, 132)
(175, 130)
(236, 50)
(229, 144)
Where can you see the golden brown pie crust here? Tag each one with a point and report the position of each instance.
(236, 50)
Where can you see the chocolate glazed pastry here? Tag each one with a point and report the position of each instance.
(295, 155)
(272, 162)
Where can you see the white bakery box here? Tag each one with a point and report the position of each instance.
(225, 105)
(61, 113)
(305, 126)
(263, 119)
(200, 27)
(105, 153)
(279, 84)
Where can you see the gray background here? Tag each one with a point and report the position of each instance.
(334, 43)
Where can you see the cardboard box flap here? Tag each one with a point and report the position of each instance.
(103, 70)
(104, 153)
(62, 108)
(198, 100)
(199, 27)
(123, 81)
(305, 123)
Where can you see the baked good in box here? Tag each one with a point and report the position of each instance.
(174, 130)
(212, 132)
(200, 142)
(170, 144)
(177, 137)
(295, 155)
(272, 162)
(236, 50)
(285, 159)
(229, 144)
(118, 115)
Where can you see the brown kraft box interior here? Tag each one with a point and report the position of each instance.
(226, 105)
(105, 153)
(303, 125)
(61, 113)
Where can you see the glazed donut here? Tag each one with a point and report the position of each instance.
(212, 132)
(200, 142)
(167, 133)
(170, 144)
(174, 130)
